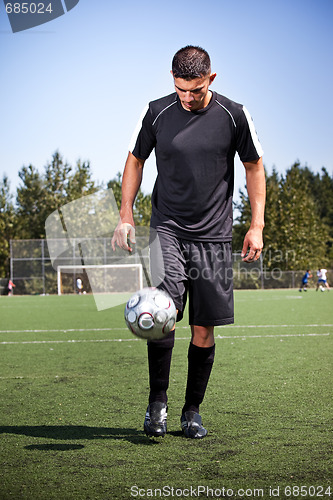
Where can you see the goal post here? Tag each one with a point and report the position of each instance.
(106, 278)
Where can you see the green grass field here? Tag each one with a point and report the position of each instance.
(74, 393)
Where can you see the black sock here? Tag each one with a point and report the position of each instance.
(159, 361)
(200, 363)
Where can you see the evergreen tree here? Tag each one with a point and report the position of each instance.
(302, 235)
(31, 204)
(40, 195)
(115, 185)
(80, 183)
(7, 222)
(296, 234)
(321, 187)
(142, 204)
(142, 209)
(57, 179)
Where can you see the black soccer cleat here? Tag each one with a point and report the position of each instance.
(155, 424)
(192, 425)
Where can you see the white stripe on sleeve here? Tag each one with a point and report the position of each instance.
(254, 136)
(137, 129)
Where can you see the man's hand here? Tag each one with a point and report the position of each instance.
(253, 242)
(132, 177)
(123, 233)
(256, 188)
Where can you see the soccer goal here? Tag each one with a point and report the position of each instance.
(107, 278)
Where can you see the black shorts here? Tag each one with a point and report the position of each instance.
(201, 270)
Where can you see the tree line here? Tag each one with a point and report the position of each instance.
(298, 222)
(41, 193)
(298, 232)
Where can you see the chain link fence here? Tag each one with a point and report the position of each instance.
(32, 272)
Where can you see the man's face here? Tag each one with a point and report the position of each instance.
(194, 94)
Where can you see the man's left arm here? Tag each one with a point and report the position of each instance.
(256, 188)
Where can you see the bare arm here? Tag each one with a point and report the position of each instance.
(256, 188)
(132, 178)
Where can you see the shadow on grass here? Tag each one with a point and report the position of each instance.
(54, 447)
(75, 432)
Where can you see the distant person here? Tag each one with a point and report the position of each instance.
(322, 280)
(10, 287)
(79, 286)
(305, 281)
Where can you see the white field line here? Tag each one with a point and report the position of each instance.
(70, 330)
(135, 339)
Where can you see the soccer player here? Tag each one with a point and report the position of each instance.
(322, 280)
(305, 281)
(195, 133)
(10, 287)
(79, 286)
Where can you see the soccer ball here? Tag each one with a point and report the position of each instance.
(150, 314)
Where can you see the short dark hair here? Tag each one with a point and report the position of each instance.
(191, 62)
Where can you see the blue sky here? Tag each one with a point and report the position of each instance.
(79, 83)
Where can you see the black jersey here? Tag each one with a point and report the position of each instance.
(195, 151)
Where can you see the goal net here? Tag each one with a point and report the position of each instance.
(99, 279)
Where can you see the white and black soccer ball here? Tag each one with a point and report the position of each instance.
(150, 314)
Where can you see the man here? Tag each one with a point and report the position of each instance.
(10, 287)
(322, 280)
(305, 281)
(79, 286)
(195, 133)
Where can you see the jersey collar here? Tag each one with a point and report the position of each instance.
(199, 111)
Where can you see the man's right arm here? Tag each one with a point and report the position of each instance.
(131, 182)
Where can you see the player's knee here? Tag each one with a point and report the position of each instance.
(203, 336)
